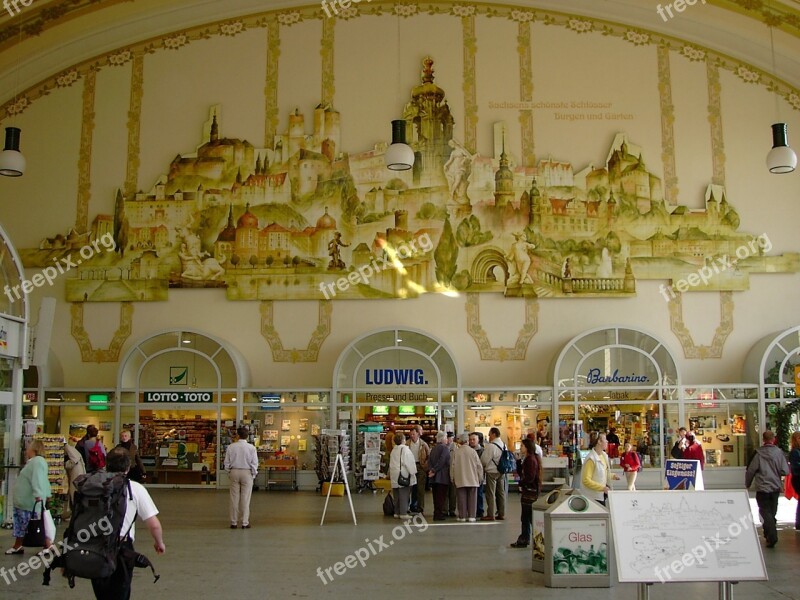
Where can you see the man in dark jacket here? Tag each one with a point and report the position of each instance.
(439, 473)
(766, 469)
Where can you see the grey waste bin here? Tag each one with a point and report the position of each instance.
(577, 544)
(546, 500)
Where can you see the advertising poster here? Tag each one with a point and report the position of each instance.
(684, 474)
(580, 547)
(77, 430)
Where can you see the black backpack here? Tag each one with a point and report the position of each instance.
(93, 542)
(94, 535)
(507, 462)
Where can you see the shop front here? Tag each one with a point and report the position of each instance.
(178, 394)
(627, 381)
(392, 380)
(622, 382)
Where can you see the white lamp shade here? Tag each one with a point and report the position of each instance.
(781, 159)
(399, 157)
(12, 163)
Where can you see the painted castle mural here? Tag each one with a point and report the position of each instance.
(305, 219)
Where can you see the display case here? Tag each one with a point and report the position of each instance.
(56, 473)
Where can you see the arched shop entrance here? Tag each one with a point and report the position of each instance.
(774, 362)
(620, 378)
(177, 391)
(400, 377)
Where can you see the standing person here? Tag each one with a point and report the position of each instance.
(420, 451)
(117, 586)
(767, 468)
(31, 487)
(631, 465)
(612, 436)
(693, 450)
(466, 472)
(94, 451)
(680, 444)
(402, 461)
(476, 443)
(495, 480)
(241, 463)
(596, 471)
(529, 487)
(75, 467)
(137, 472)
(794, 461)
(452, 502)
(439, 475)
(388, 442)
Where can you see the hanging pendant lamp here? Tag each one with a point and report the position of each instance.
(12, 162)
(399, 156)
(781, 159)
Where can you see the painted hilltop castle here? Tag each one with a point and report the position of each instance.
(283, 221)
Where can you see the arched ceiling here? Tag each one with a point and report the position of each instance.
(50, 36)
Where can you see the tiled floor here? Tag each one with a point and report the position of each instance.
(280, 556)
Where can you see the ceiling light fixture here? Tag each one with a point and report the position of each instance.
(12, 162)
(399, 156)
(781, 159)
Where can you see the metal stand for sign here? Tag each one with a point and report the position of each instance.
(643, 591)
(339, 463)
(725, 590)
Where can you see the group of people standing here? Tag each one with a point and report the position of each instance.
(465, 476)
(462, 471)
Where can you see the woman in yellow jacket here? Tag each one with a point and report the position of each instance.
(596, 471)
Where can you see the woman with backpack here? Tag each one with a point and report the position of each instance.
(631, 465)
(95, 452)
(32, 488)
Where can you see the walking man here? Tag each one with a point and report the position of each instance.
(495, 480)
(241, 463)
(118, 585)
(421, 451)
(766, 469)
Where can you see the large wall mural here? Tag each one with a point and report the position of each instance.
(308, 219)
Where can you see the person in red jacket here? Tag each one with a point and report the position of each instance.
(631, 465)
(694, 451)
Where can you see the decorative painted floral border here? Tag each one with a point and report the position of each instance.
(44, 16)
(461, 10)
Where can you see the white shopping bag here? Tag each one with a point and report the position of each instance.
(49, 526)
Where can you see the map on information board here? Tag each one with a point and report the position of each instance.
(677, 536)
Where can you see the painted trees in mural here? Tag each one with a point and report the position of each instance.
(300, 217)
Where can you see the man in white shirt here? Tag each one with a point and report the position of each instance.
(241, 463)
(118, 585)
(495, 480)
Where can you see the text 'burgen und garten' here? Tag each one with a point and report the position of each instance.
(571, 104)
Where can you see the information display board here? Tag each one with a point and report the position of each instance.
(669, 536)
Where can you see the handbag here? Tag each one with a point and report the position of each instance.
(403, 480)
(34, 534)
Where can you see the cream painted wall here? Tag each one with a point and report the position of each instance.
(180, 85)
